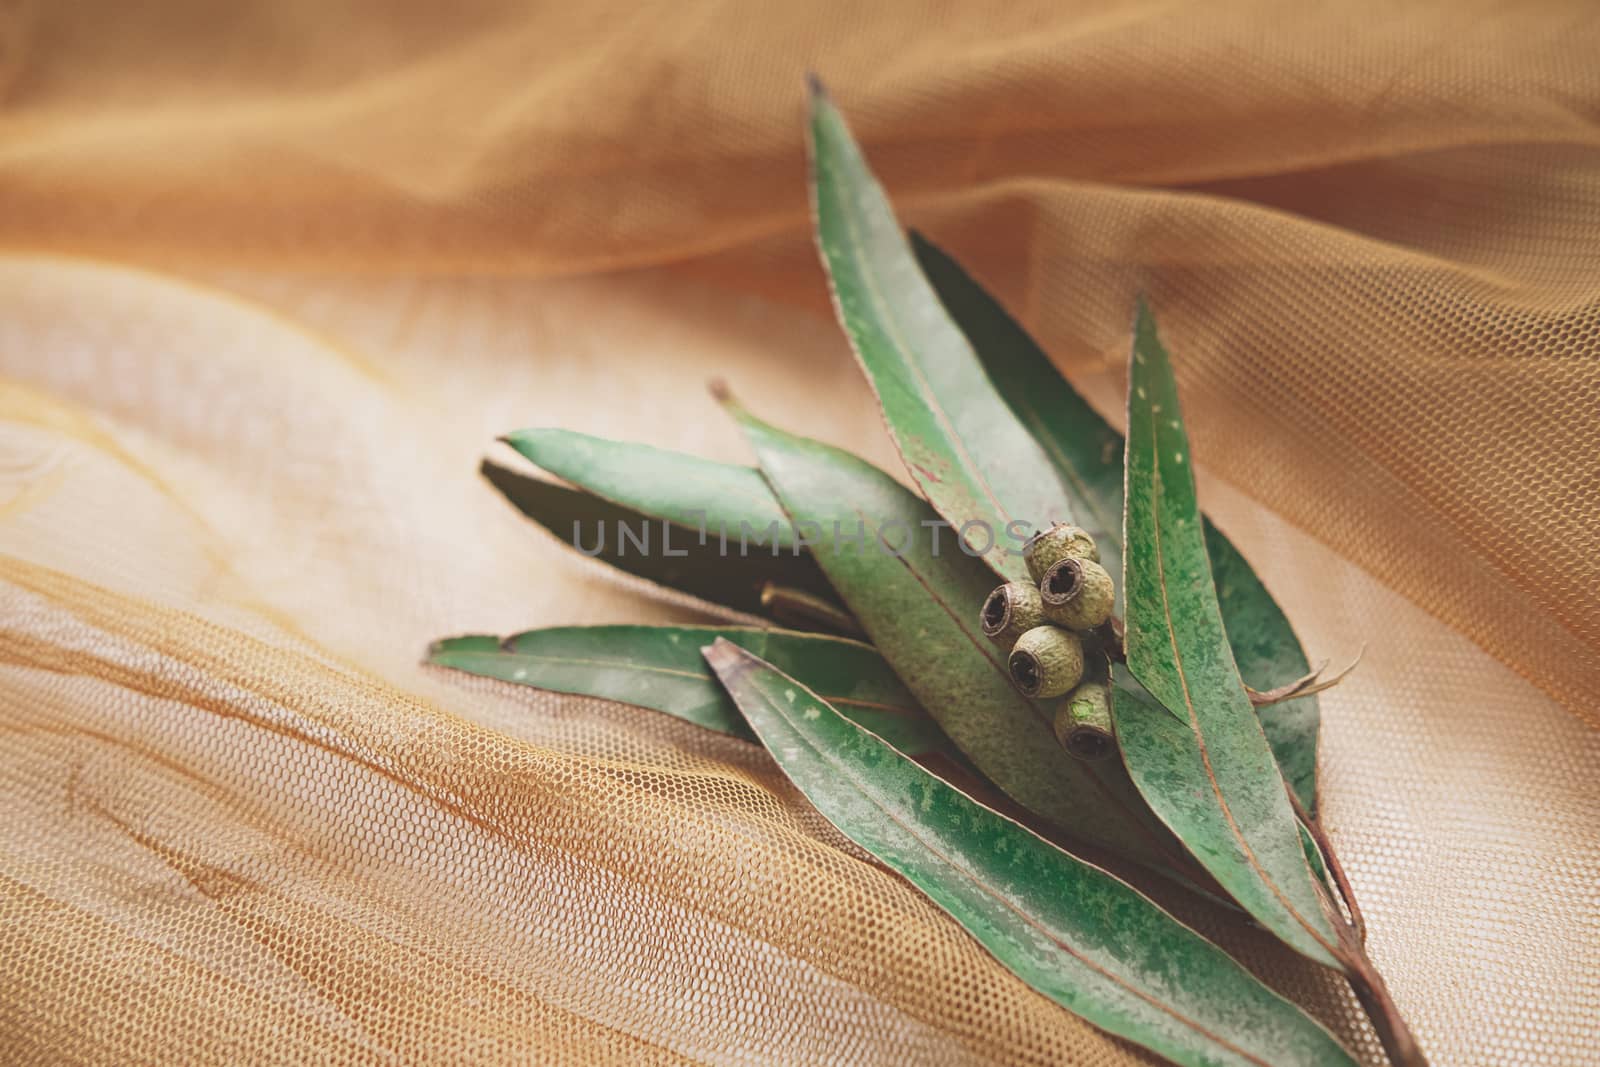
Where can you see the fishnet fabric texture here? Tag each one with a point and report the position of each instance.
(275, 274)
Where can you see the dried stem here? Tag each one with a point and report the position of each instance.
(1370, 988)
(1319, 836)
(1113, 636)
(803, 610)
(1304, 686)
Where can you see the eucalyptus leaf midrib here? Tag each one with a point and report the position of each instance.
(719, 584)
(698, 480)
(925, 389)
(1028, 920)
(892, 709)
(963, 623)
(1087, 961)
(1194, 720)
(1092, 773)
(582, 662)
(695, 476)
(1205, 752)
(1017, 749)
(1182, 866)
(971, 459)
(1086, 452)
(645, 668)
(977, 880)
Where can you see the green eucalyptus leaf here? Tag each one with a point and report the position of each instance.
(960, 443)
(690, 492)
(1070, 930)
(1268, 654)
(1198, 754)
(660, 668)
(1087, 454)
(919, 605)
(724, 578)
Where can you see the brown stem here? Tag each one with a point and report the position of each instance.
(1113, 635)
(1373, 992)
(798, 608)
(1319, 836)
(1369, 986)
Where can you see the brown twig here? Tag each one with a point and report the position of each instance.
(1370, 988)
(1319, 837)
(798, 608)
(1373, 992)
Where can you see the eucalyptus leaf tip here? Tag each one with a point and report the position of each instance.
(1144, 322)
(728, 661)
(439, 649)
(720, 653)
(815, 89)
(723, 395)
(518, 439)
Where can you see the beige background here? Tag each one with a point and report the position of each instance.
(276, 276)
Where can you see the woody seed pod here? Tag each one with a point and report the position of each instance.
(1083, 721)
(1046, 661)
(1011, 611)
(1077, 594)
(1048, 547)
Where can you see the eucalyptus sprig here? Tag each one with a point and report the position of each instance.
(1129, 691)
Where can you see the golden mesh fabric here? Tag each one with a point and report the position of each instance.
(275, 273)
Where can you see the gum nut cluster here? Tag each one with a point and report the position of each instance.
(1042, 622)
